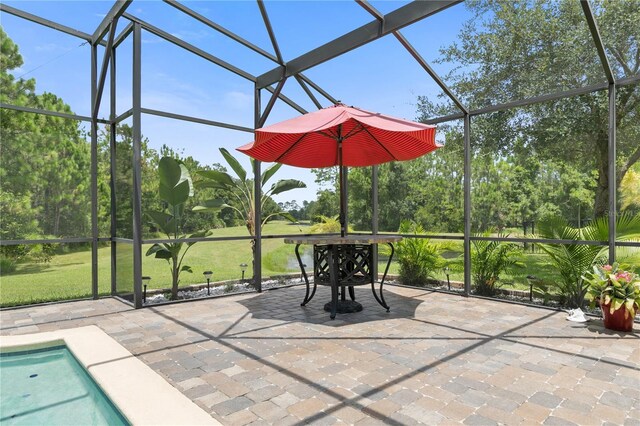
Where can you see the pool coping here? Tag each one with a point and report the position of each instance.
(140, 393)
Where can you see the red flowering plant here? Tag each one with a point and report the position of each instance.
(614, 288)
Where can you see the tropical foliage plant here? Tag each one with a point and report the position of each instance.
(240, 192)
(175, 189)
(609, 285)
(418, 257)
(490, 259)
(541, 289)
(7, 265)
(326, 225)
(573, 260)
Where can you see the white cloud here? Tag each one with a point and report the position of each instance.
(48, 47)
(151, 40)
(238, 100)
(164, 91)
(164, 101)
(177, 88)
(190, 36)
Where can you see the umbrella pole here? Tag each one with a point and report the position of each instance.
(343, 201)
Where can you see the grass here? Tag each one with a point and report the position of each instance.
(534, 263)
(68, 276)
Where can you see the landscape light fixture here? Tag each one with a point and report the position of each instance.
(145, 281)
(532, 279)
(243, 267)
(446, 271)
(208, 275)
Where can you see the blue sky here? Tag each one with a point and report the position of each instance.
(380, 76)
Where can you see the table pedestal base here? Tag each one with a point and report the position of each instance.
(343, 263)
(344, 307)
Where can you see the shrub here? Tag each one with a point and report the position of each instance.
(418, 257)
(326, 225)
(540, 289)
(37, 253)
(17, 216)
(42, 253)
(489, 259)
(573, 261)
(7, 265)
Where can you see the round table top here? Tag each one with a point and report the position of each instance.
(348, 239)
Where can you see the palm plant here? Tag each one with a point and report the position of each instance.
(573, 260)
(326, 225)
(489, 259)
(240, 192)
(418, 257)
(175, 189)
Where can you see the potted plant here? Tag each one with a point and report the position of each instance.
(618, 294)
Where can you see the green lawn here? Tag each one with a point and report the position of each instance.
(68, 276)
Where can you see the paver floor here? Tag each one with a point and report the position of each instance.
(434, 359)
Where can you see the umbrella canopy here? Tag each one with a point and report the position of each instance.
(341, 136)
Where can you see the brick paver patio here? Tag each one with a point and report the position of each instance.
(434, 359)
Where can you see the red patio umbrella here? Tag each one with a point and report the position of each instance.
(341, 136)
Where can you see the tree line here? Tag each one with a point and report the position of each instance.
(45, 165)
(528, 163)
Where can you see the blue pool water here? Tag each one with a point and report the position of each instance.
(49, 387)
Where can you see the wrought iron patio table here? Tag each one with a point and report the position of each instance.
(341, 263)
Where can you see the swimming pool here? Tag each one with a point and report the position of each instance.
(49, 386)
(141, 395)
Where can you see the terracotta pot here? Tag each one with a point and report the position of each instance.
(616, 320)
